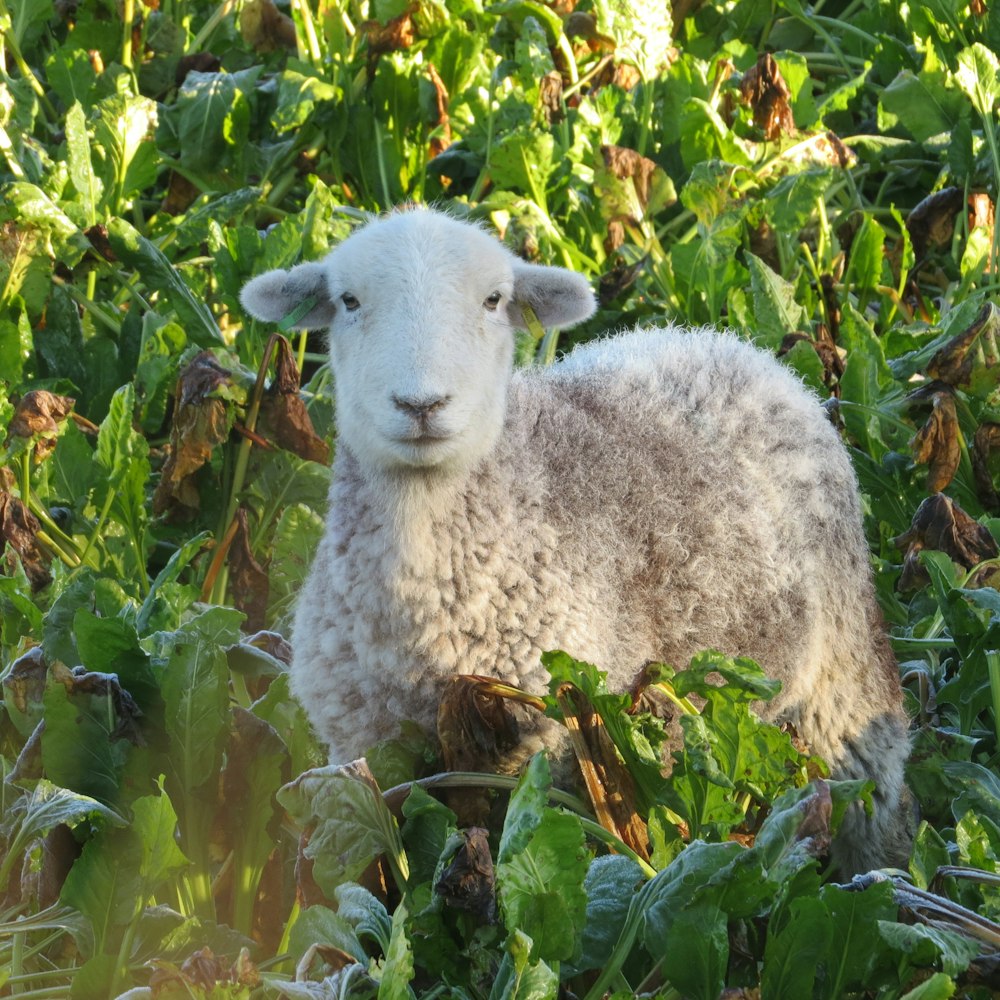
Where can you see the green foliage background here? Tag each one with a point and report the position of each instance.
(152, 159)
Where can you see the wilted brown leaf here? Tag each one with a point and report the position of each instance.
(283, 414)
(24, 682)
(986, 439)
(201, 421)
(265, 28)
(20, 528)
(627, 163)
(39, 412)
(982, 211)
(440, 142)
(477, 732)
(972, 358)
(765, 90)
(98, 238)
(941, 524)
(398, 33)
(181, 194)
(203, 970)
(620, 278)
(196, 62)
(932, 221)
(468, 883)
(80, 681)
(937, 443)
(550, 97)
(249, 582)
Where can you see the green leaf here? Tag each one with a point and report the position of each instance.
(610, 886)
(777, 312)
(320, 925)
(46, 807)
(793, 953)
(526, 809)
(353, 825)
(81, 170)
(854, 949)
(119, 869)
(939, 987)
(864, 269)
(195, 689)
(977, 77)
(141, 254)
(921, 104)
(518, 978)
(81, 749)
(541, 887)
(397, 970)
(924, 946)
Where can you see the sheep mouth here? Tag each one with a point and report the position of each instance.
(424, 440)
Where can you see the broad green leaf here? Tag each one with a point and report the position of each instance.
(527, 808)
(976, 75)
(321, 925)
(195, 689)
(921, 104)
(793, 953)
(353, 825)
(864, 269)
(81, 749)
(123, 130)
(156, 271)
(119, 869)
(854, 950)
(293, 547)
(366, 914)
(541, 887)
(926, 946)
(777, 312)
(610, 886)
(45, 807)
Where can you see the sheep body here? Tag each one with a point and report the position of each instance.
(651, 495)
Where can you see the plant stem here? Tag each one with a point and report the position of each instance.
(993, 667)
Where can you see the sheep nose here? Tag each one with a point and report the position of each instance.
(419, 408)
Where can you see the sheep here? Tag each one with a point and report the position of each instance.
(649, 495)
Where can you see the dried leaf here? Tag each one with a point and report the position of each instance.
(619, 279)
(956, 362)
(20, 528)
(440, 142)
(283, 414)
(550, 97)
(765, 90)
(941, 524)
(196, 62)
(937, 443)
(982, 211)
(627, 163)
(265, 28)
(932, 221)
(398, 33)
(477, 732)
(608, 782)
(986, 439)
(469, 882)
(39, 412)
(203, 971)
(248, 578)
(24, 681)
(202, 419)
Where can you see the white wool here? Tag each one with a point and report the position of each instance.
(651, 495)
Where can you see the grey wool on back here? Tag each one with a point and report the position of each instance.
(651, 495)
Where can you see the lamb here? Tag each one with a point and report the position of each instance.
(650, 495)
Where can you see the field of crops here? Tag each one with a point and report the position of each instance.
(819, 177)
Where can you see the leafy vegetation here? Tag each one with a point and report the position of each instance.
(821, 177)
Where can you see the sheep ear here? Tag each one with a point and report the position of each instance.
(273, 296)
(558, 297)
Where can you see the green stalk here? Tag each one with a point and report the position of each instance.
(128, 16)
(65, 541)
(97, 529)
(24, 68)
(993, 666)
(17, 960)
(220, 14)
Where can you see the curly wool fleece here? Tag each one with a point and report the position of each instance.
(651, 495)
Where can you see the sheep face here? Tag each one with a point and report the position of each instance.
(421, 311)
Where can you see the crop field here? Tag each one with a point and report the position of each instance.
(819, 177)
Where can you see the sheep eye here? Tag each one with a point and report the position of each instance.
(492, 301)
(350, 302)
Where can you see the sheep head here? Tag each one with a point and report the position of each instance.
(421, 311)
